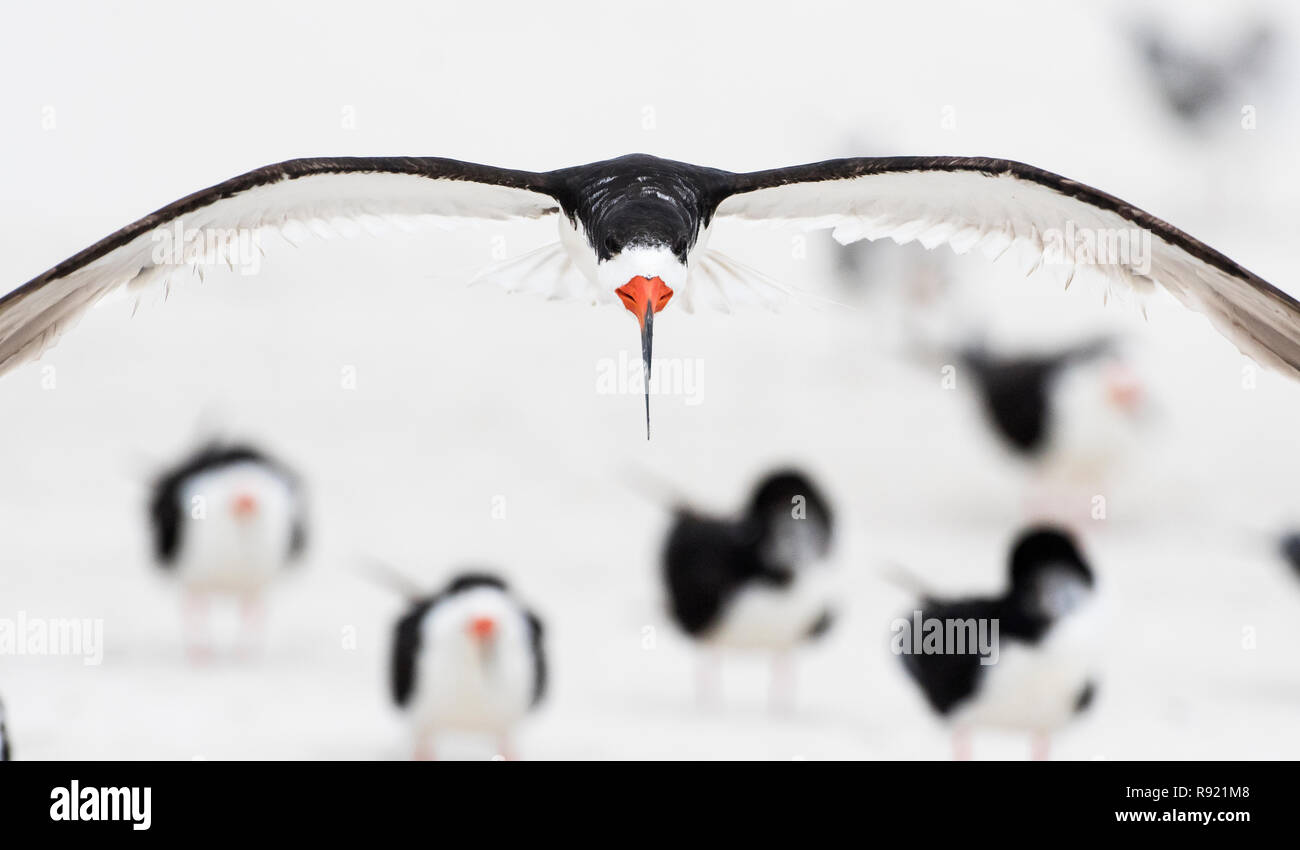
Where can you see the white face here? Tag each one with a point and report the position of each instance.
(1059, 592)
(476, 663)
(245, 492)
(633, 261)
(239, 523)
(796, 542)
(636, 261)
(481, 617)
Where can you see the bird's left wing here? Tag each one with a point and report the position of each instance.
(995, 204)
(323, 196)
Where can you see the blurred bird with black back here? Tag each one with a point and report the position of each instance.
(467, 659)
(1038, 668)
(758, 581)
(227, 520)
(1071, 415)
(1202, 84)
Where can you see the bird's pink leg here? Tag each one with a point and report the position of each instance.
(506, 747)
(707, 674)
(424, 749)
(782, 695)
(1040, 746)
(252, 609)
(1042, 500)
(196, 620)
(961, 746)
(1048, 500)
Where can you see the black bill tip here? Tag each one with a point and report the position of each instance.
(647, 344)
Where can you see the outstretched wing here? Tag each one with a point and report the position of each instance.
(324, 196)
(995, 204)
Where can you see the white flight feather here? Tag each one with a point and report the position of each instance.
(1000, 212)
(319, 205)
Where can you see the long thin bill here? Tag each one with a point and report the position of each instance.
(647, 343)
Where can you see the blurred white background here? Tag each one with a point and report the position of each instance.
(113, 110)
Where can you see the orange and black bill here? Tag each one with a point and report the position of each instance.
(643, 297)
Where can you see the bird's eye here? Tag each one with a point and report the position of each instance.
(612, 245)
(680, 246)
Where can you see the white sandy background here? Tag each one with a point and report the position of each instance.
(466, 395)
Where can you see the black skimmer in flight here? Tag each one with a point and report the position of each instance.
(227, 520)
(1037, 671)
(468, 659)
(760, 581)
(636, 229)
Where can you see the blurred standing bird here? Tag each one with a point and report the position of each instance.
(227, 520)
(1289, 547)
(1071, 415)
(1041, 670)
(6, 752)
(1202, 86)
(760, 581)
(470, 659)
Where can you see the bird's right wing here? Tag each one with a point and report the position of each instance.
(323, 196)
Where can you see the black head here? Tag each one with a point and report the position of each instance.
(642, 221)
(793, 519)
(638, 201)
(472, 579)
(1049, 576)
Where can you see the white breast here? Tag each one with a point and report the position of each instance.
(220, 551)
(1090, 435)
(765, 616)
(462, 685)
(1037, 687)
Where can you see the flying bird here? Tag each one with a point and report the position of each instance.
(760, 581)
(468, 658)
(227, 520)
(1038, 671)
(635, 230)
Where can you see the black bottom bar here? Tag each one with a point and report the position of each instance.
(217, 799)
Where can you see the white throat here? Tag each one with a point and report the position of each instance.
(633, 261)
